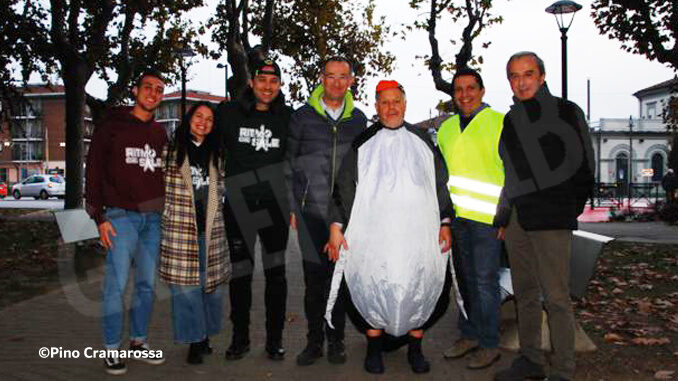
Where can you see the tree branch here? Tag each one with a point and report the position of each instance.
(117, 91)
(73, 30)
(466, 51)
(98, 44)
(435, 61)
(267, 23)
(57, 31)
(243, 9)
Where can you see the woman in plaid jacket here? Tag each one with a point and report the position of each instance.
(194, 258)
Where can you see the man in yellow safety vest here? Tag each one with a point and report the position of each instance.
(469, 141)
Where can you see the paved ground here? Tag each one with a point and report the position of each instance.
(68, 318)
(31, 203)
(649, 232)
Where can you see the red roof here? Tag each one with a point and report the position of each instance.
(194, 94)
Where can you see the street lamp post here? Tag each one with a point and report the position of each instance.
(225, 67)
(559, 9)
(184, 53)
(630, 175)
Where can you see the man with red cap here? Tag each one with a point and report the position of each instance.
(390, 216)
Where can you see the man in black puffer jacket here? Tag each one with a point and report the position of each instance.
(548, 159)
(320, 135)
(254, 130)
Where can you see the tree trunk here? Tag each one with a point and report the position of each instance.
(237, 58)
(75, 77)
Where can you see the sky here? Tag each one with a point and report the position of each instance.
(614, 74)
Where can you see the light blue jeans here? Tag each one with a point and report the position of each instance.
(196, 314)
(136, 245)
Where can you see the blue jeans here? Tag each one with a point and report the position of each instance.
(136, 244)
(479, 253)
(195, 313)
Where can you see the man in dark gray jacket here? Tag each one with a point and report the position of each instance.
(320, 134)
(548, 160)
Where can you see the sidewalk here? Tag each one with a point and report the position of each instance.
(68, 318)
(641, 232)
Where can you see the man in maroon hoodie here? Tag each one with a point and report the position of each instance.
(125, 198)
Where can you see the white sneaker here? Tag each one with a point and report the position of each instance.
(143, 352)
(115, 366)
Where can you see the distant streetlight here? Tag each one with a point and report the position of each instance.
(630, 176)
(184, 53)
(225, 67)
(559, 9)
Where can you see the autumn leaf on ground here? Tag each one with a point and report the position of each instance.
(664, 374)
(584, 313)
(644, 305)
(651, 341)
(663, 303)
(613, 338)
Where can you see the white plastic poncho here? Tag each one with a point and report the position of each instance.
(394, 269)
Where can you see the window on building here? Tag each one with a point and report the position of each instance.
(651, 108)
(622, 164)
(23, 107)
(27, 128)
(27, 151)
(658, 167)
(3, 175)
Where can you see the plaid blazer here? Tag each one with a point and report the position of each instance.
(179, 262)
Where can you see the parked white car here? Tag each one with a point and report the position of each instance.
(41, 186)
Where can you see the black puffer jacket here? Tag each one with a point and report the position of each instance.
(316, 146)
(548, 159)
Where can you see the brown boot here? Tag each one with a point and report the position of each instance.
(460, 348)
(483, 358)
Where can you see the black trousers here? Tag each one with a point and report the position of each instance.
(313, 235)
(246, 217)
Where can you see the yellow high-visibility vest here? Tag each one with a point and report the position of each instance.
(475, 168)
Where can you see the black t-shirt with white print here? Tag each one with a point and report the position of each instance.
(198, 159)
(253, 139)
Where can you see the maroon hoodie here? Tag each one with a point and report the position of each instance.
(124, 165)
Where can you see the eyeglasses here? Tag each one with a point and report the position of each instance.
(337, 77)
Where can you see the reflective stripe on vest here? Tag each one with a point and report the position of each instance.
(474, 186)
(473, 204)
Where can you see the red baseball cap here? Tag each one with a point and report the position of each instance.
(389, 84)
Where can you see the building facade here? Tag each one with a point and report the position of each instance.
(644, 139)
(34, 138)
(170, 108)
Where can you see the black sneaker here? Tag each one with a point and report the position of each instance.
(336, 352)
(275, 351)
(205, 346)
(143, 352)
(520, 369)
(194, 354)
(115, 366)
(309, 355)
(237, 350)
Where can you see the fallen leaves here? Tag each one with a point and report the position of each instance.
(632, 306)
(651, 341)
(664, 375)
(613, 338)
